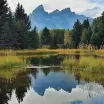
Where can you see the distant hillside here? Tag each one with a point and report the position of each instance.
(56, 19)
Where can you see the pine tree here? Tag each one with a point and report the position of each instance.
(77, 33)
(101, 28)
(33, 39)
(45, 37)
(98, 31)
(3, 8)
(95, 39)
(86, 35)
(5, 37)
(22, 16)
(23, 26)
(86, 24)
(3, 12)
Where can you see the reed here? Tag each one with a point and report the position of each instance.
(11, 61)
(89, 64)
(69, 63)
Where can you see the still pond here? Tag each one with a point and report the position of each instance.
(52, 85)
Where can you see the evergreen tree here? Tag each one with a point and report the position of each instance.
(98, 31)
(86, 35)
(22, 16)
(54, 42)
(3, 8)
(86, 24)
(23, 26)
(101, 29)
(76, 34)
(57, 37)
(95, 39)
(33, 39)
(5, 37)
(45, 37)
(3, 12)
(19, 34)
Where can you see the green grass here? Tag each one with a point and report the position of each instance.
(69, 63)
(89, 64)
(11, 61)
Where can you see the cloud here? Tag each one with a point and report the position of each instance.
(76, 5)
(94, 12)
(97, 1)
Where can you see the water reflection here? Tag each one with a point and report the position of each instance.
(53, 80)
(20, 85)
(52, 86)
(51, 60)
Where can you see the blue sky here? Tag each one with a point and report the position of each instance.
(79, 6)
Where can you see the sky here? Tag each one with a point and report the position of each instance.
(91, 8)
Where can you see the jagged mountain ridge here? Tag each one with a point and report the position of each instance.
(57, 19)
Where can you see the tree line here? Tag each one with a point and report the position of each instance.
(15, 28)
(16, 33)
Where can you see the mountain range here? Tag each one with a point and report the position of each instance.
(57, 19)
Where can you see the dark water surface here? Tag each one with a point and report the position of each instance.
(51, 86)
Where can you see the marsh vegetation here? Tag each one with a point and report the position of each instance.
(88, 63)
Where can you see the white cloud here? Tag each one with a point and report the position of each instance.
(76, 5)
(94, 12)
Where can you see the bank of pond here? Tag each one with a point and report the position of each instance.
(12, 65)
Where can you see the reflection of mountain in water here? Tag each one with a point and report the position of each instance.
(57, 81)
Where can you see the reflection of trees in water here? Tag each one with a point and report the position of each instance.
(86, 76)
(78, 77)
(46, 71)
(49, 70)
(5, 92)
(20, 85)
(52, 60)
(34, 72)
